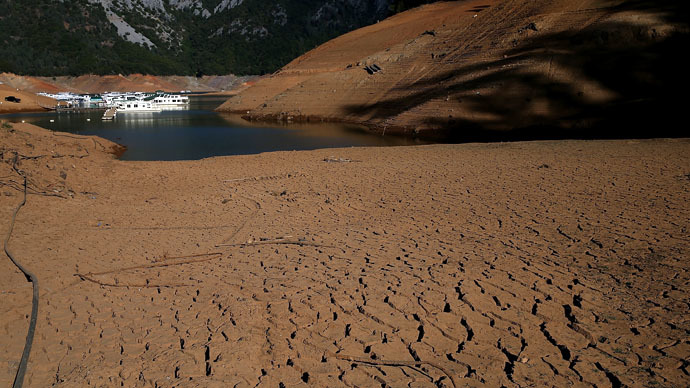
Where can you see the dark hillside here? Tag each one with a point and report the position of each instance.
(49, 37)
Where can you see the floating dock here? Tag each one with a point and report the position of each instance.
(109, 114)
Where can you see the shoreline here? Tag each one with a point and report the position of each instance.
(610, 127)
(27, 110)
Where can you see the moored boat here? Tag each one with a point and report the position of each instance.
(169, 100)
(135, 106)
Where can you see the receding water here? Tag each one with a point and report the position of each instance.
(200, 132)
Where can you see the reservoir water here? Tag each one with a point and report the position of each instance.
(200, 132)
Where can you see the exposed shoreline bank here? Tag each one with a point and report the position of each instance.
(256, 269)
(504, 68)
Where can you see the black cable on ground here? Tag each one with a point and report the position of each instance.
(19, 378)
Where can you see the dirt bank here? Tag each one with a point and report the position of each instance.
(475, 69)
(29, 102)
(542, 263)
(124, 83)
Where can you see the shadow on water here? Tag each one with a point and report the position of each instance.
(639, 68)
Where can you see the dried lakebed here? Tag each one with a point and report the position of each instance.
(539, 263)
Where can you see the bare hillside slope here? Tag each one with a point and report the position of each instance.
(471, 68)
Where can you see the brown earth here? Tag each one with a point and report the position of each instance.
(29, 101)
(491, 65)
(514, 264)
(122, 83)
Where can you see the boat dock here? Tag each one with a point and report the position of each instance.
(109, 114)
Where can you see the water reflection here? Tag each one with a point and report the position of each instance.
(137, 120)
(199, 132)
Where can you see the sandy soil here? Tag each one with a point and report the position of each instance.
(492, 64)
(519, 264)
(29, 101)
(133, 82)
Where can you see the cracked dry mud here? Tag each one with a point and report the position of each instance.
(524, 264)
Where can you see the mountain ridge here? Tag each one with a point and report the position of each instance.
(171, 37)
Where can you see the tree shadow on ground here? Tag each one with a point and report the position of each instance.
(637, 71)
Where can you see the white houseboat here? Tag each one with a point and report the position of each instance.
(170, 101)
(133, 106)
